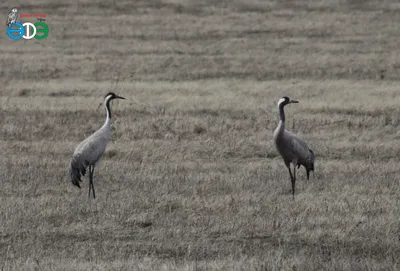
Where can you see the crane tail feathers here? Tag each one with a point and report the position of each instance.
(76, 171)
(310, 163)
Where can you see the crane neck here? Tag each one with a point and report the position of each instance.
(108, 109)
(107, 123)
(281, 125)
(281, 114)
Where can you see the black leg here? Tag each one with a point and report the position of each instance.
(94, 194)
(294, 180)
(290, 172)
(90, 179)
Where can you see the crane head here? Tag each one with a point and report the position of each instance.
(286, 100)
(111, 95)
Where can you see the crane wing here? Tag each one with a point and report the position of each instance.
(92, 148)
(88, 152)
(298, 146)
(303, 153)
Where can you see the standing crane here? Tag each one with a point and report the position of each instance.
(90, 150)
(292, 148)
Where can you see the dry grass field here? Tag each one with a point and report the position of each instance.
(191, 179)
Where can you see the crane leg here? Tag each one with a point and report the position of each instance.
(290, 172)
(90, 180)
(91, 185)
(294, 180)
(94, 194)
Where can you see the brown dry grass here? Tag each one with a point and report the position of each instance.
(191, 180)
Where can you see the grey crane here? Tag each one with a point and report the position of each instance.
(292, 148)
(90, 150)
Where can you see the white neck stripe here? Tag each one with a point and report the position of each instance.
(281, 100)
(107, 98)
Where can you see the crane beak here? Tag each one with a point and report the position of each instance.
(294, 102)
(119, 97)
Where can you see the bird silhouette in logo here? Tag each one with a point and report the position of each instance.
(12, 16)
